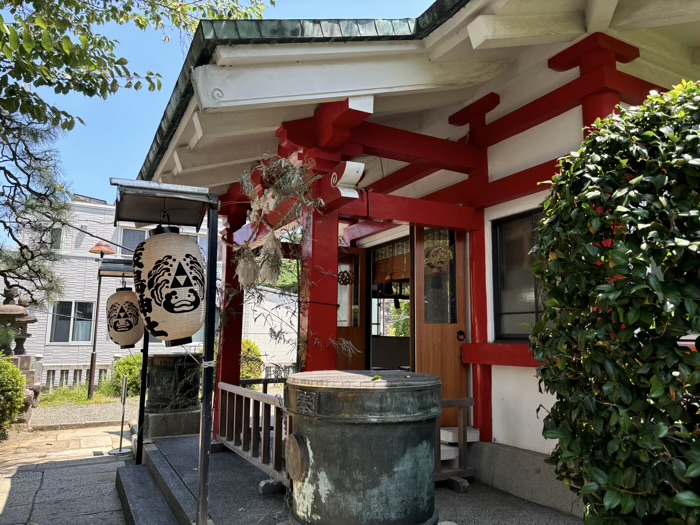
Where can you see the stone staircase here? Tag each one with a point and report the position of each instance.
(449, 446)
(153, 493)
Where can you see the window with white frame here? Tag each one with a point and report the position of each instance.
(72, 322)
(131, 239)
(517, 301)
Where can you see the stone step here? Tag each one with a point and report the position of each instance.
(142, 501)
(448, 452)
(451, 435)
(181, 501)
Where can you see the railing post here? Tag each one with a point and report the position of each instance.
(277, 454)
(255, 427)
(267, 414)
(246, 424)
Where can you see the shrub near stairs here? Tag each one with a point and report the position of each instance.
(618, 263)
(12, 394)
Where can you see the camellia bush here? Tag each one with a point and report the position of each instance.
(618, 262)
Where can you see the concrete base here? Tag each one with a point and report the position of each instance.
(524, 474)
(171, 424)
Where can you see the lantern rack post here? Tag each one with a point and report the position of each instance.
(142, 398)
(146, 203)
(93, 355)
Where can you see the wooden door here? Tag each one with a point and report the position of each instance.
(440, 304)
(352, 324)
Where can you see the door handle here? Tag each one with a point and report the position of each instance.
(461, 335)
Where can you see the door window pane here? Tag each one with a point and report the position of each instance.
(131, 239)
(440, 279)
(82, 322)
(60, 329)
(348, 291)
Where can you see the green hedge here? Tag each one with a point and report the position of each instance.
(130, 367)
(12, 394)
(618, 260)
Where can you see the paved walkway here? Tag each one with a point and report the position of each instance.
(234, 500)
(47, 418)
(63, 477)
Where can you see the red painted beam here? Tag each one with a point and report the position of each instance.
(475, 111)
(407, 146)
(401, 177)
(582, 52)
(526, 182)
(411, 211)
(334, 120)
(632, 90)
(541, 110)
(360, 230)
(498, 354)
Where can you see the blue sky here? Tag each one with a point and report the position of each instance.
(119, 131)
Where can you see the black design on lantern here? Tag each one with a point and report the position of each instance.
(145, 303)
(177, 285)
(123, 317)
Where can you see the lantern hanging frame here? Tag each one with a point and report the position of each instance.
(143, 202)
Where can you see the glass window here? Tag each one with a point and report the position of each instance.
(517, 300)
(56, 236)
(348, 291)
(72, 322)
(440, 279)
(131, 239)
(82, 322)
(60, 329)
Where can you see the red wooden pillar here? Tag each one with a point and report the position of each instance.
(319, 292)
(481, 374)
(229, 365)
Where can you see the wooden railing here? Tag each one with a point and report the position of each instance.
(264, 382)
(462, 423)
(251, 424)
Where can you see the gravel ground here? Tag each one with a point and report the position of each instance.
(67, 416)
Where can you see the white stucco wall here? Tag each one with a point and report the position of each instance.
(276, 311)
(515, 393)
(515, 399)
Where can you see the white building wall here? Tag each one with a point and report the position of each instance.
(515, 392)
(78, 271)
(276, 311)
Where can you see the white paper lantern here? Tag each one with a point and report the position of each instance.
(169, 279)
(124, 322)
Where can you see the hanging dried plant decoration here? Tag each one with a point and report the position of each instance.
(247, 269)
(270, 259)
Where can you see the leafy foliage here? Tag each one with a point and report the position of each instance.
(45, 46)
(34, 203)
(78, 395)
(401, 320)
(57, 45)
(617, 256)
(130, 367)
(12, 385)
(251, 360)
